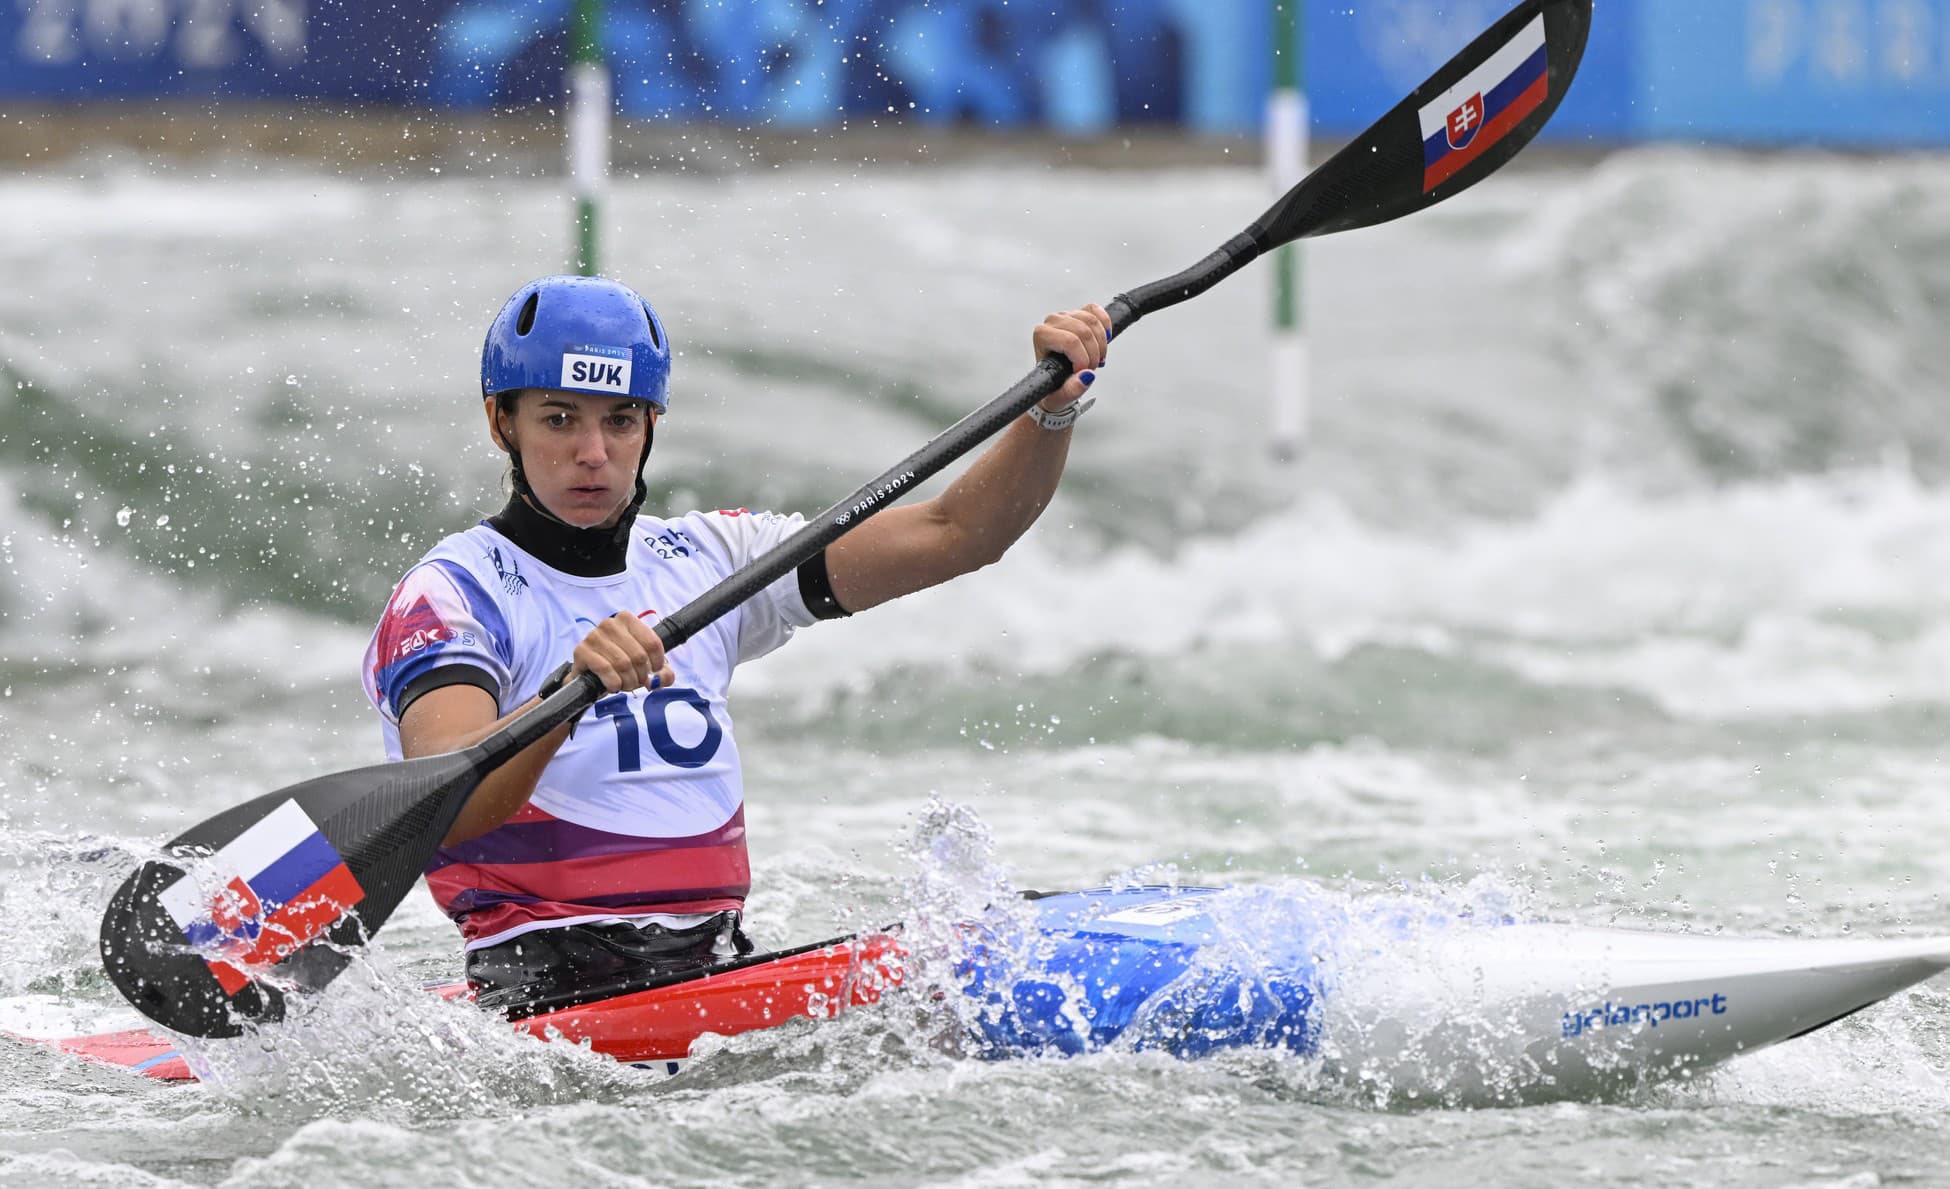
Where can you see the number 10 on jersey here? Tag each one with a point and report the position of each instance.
(653, 721)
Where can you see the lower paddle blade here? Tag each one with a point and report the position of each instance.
(264, 899)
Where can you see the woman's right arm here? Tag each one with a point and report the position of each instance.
(457, 716)
(622, 650)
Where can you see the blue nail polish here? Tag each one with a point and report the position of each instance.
(655, 682)
(1088, 378)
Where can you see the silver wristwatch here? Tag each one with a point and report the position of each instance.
(1064, 417)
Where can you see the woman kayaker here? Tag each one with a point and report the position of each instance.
(605, 854)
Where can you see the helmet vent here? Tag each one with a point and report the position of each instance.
(526, 322)
(656, 337)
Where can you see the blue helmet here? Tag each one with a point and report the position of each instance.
(583, 334)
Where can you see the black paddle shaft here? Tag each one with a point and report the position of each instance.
(386, 822)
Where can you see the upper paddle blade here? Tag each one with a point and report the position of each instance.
(1456, 129)
(263, 898)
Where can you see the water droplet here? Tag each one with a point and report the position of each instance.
(123, 515)
(162, 520)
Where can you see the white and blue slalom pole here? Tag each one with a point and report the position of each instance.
(588, 127)
(1287, 123)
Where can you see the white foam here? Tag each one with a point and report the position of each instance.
(1800, 595)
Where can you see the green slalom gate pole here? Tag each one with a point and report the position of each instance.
(1287, 123)
(588, 126)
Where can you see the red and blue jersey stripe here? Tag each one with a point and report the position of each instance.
(538, 870)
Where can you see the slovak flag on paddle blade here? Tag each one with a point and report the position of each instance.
(268, 891)
(1462, 123)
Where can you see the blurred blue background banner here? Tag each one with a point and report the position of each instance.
(1869, 72)
(1362, 58)
(1845, 71)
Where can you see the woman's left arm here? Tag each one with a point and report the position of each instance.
(990, 506)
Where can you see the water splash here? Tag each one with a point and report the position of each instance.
(378, 1043)
(1370, 991)
(51, 898)
(956, 886)
(1366, 989)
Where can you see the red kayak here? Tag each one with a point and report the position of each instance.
(655, 1024)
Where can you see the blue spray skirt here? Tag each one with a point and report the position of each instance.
(1147, 968)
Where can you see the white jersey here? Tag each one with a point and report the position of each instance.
(641, 811)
